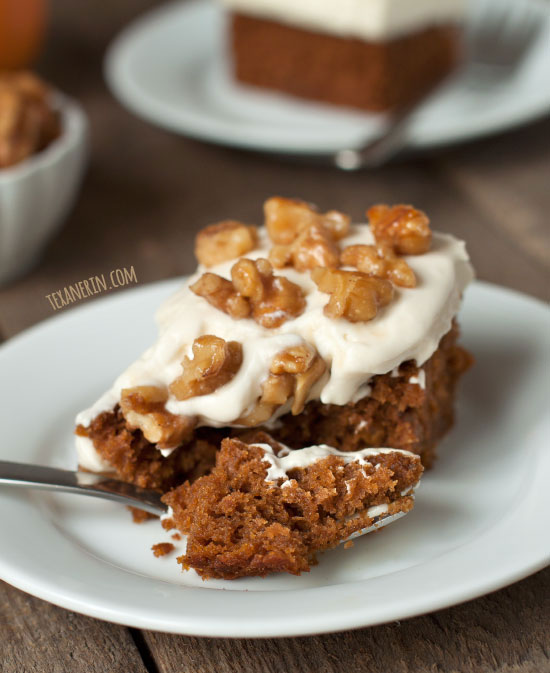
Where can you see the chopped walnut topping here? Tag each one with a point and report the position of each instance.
(223, 241)
(143, 407)
(403, 228)
(220, 293)
(292, 374)
(27, 121)
(312, 247)
(254, 289)
(353, 295)
(274, 299)
(286, 218)
(215, 362)
(379, 261)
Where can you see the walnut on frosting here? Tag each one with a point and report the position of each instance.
(286, 218)
(215, 362)
(291, 375)
(303, 237)
(253, 290)
(403, 228)
(379, 261)
(223, 241)
(143, 408)
(354, 295)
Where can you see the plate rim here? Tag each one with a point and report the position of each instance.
(344, 620)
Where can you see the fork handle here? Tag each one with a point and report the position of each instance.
(83, 483)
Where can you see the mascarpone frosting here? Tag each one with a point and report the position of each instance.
(376, 20)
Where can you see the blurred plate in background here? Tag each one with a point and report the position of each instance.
(171, 67)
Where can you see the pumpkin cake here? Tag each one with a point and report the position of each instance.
(373, 55)
(264, 509)
(310, 328)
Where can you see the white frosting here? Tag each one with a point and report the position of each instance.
(290, 460)
(420, 380)
(376, 20)
(409, 328)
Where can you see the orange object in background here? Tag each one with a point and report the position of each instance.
(22, 27)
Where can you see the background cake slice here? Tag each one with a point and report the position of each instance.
(369, 54)
(258, 512)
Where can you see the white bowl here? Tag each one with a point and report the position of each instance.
(37, 194)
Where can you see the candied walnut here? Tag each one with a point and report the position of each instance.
(215, 362)
(27, 122)
(292, 374)
(353, 295)
(379, 261)
(286, 218)
(403, 228)
(253, 289)
(220, 293)
(143, 407)
(274, 299)
(312, 247)
(223, 241)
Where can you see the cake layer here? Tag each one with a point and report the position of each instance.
(258, 513)
(349, 71)
(371, 20)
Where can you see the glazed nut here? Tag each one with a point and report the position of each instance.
(286, 218)
(215, 362)
(379, 261)
(403, 228)
(27, 122)
(223, 241)
(143, 408)
(292, 374)
(222, 295)
(313, 247)
(354, 295)
(294, 360)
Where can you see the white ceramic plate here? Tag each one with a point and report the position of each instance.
(481, 520)
(171, 67)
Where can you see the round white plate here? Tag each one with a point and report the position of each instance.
(480, 522)
(171, 67)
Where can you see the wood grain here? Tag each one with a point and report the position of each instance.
(145, 195)
(505, 632)
(36, 637)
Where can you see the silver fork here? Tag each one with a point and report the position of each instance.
(100, 486)
(498, 41)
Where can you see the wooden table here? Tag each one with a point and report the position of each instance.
(146, 194)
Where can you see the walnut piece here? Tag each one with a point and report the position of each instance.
(286, 218)
(292, 374)
(312, 247)
(379, 261)
(220, 293)
(28, 123)
(215, 362)
(143, 407)
(253, 290)
(225, 240)
(403, 228)
(353, 295)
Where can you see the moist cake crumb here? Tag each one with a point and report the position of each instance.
(238, 523)
(162, 548)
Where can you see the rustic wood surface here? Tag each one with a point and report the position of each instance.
(145, 194)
